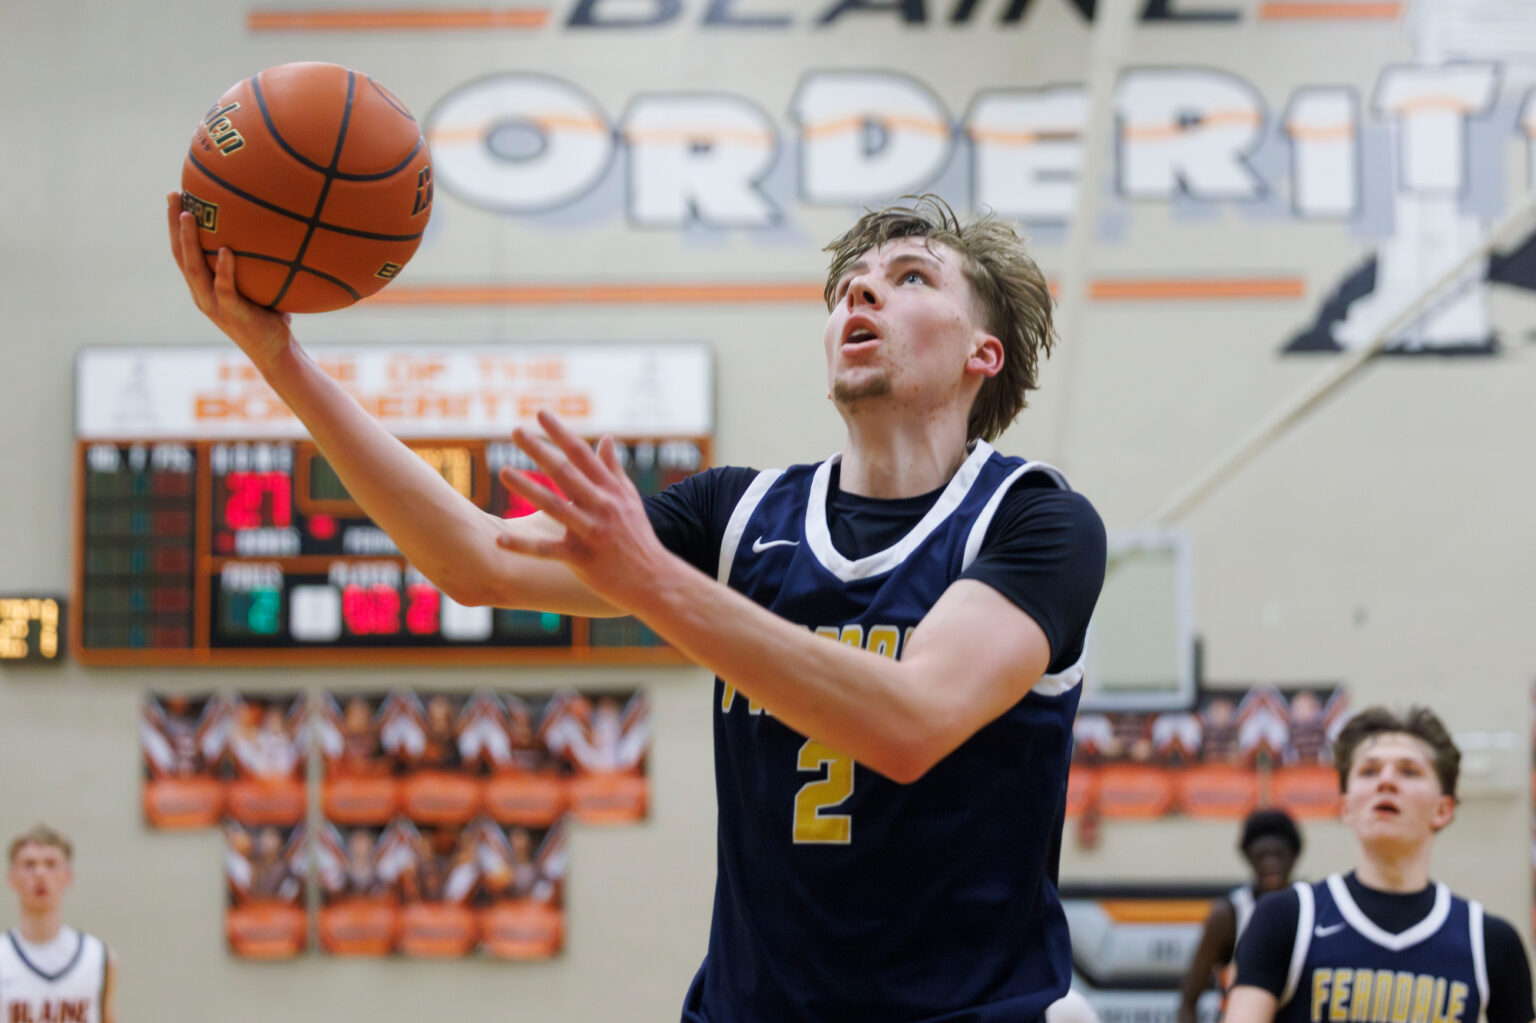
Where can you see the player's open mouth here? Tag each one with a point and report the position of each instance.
(858, 332)
(1387, 809)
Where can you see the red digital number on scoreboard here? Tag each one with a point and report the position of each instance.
(256, 499)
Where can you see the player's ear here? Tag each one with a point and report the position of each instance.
(986, 356)
(1445, 812)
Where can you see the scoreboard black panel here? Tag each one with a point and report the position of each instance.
(252, 552)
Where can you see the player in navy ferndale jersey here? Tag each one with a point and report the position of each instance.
(896, 633)
(50, 972)
(1383, 944)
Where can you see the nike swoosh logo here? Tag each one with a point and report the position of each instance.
(759, 545)
(1323, 932)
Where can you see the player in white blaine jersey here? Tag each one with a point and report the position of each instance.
(1384, 944)
(891, 801)
(50, 972)
(1271, 843)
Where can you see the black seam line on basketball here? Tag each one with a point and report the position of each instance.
(325, 187)
(241, 193)
(397, 168)
(298, 267)
(261, 105)
(389, 98)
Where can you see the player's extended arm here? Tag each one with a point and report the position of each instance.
(974, 655)
(109, 989)
(1249, 1004)
(443, 535)
(1215, 948)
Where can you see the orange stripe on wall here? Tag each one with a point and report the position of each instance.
(1324, 10)
(1195, 288)
(599, 294)
(1156, 911)
(383, 18)
(802, 292)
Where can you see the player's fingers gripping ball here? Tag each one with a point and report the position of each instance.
(317, 178)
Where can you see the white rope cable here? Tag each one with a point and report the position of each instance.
(1184, 500)
(1107, 45)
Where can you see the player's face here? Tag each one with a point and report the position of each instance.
(1272, 861)
(1392, 796)
(903, 323)
(39, 875)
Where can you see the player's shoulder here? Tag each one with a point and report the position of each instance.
(1033, 503)
(1500, 933)
(1280, 909)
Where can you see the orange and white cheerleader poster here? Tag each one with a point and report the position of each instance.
(268, 754)
(182, 739)
(604, 739)
(527, 786)
(265, 871)
(1235, 750)
(521, 899)
(436, 871)
(359, 899)
(423, 734)
(361, 784)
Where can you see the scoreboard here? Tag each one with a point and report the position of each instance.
(210, 530)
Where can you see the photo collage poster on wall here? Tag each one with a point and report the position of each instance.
(1237, 749)
(441, 821)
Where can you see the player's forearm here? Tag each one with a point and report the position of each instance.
(436, 529)
(864, 705)
(1247, 1004)
(446, 537)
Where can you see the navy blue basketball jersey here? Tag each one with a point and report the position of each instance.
(841, 895)
(1345, 967)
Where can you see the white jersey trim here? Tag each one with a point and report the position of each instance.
(1479, 953)
(984, 520)
(1062, 681)
(737, 525)
(1305, 917)
(1242, 901)
(74, 960)
(818, 535)
(1357, 919)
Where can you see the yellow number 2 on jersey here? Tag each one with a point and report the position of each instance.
(812, 825)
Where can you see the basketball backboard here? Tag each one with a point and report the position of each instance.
(1140, 652)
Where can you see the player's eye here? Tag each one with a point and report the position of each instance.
(913, 275)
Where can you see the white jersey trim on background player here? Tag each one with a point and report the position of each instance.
(1357, 919)
(1479, 953)
(81, 980)
(1305, 916)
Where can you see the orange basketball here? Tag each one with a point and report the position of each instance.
(317, 177)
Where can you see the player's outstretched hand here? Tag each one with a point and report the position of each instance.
(261, 333)
(608, 540)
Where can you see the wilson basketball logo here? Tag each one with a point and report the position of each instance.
(221, 131)
(207, 213)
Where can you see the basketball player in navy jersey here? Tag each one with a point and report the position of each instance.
(896, 632)
(1271, 843)
(1383, 943)
(48, 970)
